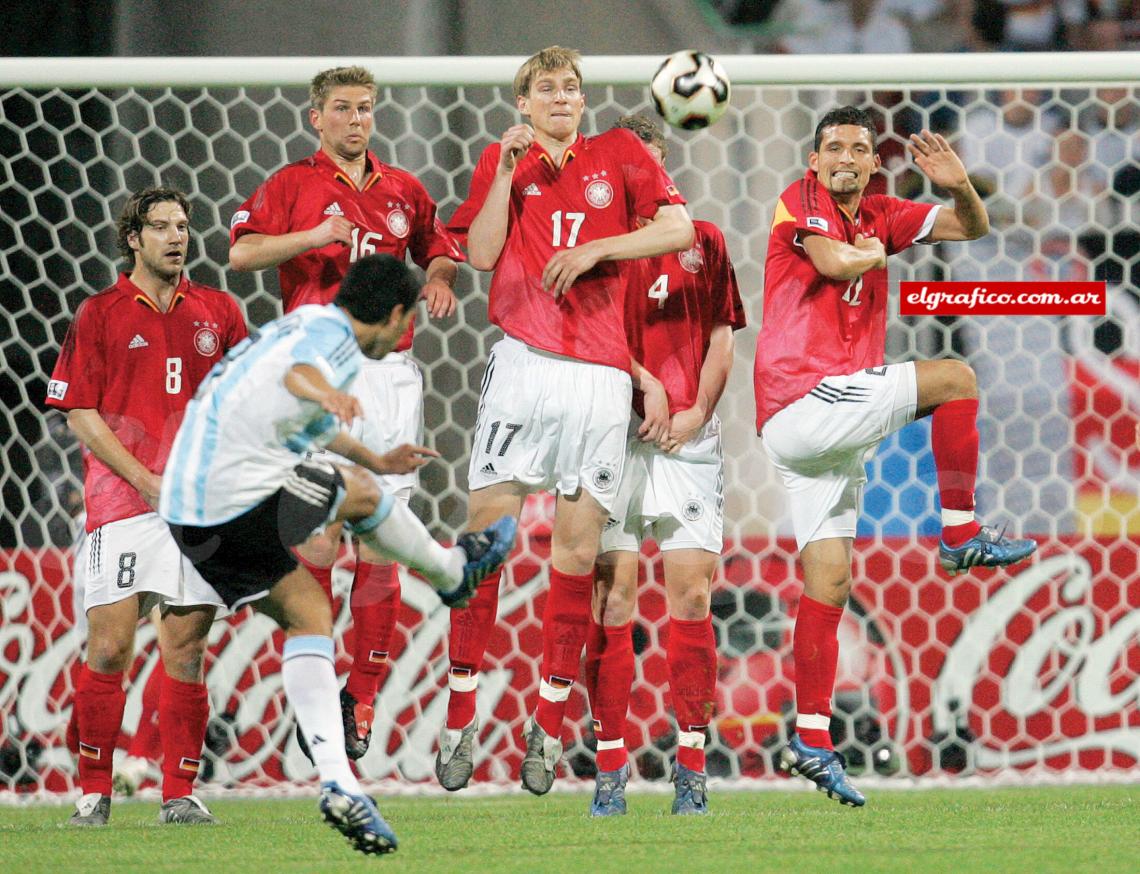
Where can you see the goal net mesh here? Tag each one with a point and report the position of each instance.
(1029, 673)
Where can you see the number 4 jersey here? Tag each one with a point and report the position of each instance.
(138, 368)
(815, 326)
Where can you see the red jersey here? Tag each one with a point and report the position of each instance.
(815, 326)
(391, 211)
(138, 368)
(604, 185)
(673, 303)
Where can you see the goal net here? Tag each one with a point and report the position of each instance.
(1029, 673)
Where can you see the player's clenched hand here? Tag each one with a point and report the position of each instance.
(685, 425)
(149, 488)
(655, 427)
(937, 160)
(406, 458)
(872, 244)
(341, 404)
(334, 229)
(440, 299)
(566, 266)
(514, 144)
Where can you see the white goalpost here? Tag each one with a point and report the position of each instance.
(1021, 676)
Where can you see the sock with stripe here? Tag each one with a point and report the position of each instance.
(565, 621)
(471, 629)
(954, 442)
(690, 654)
(99, 701)
(183, 711)
(609, 677)
(375, 607)
(815, 652)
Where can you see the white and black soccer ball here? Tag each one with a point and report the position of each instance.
(690, 90)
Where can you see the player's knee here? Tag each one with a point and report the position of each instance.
(109, 655)
(690, 605)
(362, 494)
(963, 380)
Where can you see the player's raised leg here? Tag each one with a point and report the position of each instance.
(949, 390)
(471, 628)
(815, 651)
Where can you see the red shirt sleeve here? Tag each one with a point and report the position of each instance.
(430, 239)
(481, 181)
(267, 209)
(728, 307)
(77, 380)
(814, 210)
(648, 185)
(238, 330)
(906, 222)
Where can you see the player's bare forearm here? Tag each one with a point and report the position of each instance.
(488, 231)
(305, 382)
(943, 167)
(670, 231)
(656, 403)
(261, 251)
(92, 430)
(838, 260)
(405, 458)
(715, 370)
(967, 221)
(438, 290)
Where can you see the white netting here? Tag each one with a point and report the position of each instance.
(1030, 670)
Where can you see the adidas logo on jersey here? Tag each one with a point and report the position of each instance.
(137, 342)
(334, 209)
(488, 468)
(531, 191)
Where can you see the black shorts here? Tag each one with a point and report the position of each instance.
(247, 556)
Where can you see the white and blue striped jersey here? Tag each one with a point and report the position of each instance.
(244, 431)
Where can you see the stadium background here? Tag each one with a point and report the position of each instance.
(938, 679)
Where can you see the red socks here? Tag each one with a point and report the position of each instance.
(146, 743)
(99, 702)
(183, 711)
(954, 440)
(471, 628)
(375, 607)
(323, 575)
(690, 652)
(565, 622)
(815, 650)
(609, 677)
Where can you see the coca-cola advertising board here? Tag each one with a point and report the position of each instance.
(1035, 669)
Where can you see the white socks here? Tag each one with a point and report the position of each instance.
(310, 684)
(403, 538)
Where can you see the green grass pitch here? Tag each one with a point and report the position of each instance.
(1055, 829)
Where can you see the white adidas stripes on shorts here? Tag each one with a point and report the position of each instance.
(820, 443)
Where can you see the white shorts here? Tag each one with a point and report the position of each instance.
(820, 443)
(550, 422)
(138, 556)
(678, 498)
(391, 394)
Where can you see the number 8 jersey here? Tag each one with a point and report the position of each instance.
(138, 368)
(815, 326)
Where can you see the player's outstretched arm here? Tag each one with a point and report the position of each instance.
(670, 231)
(838, 260)
(686, 424)
(942, 166)
(261, 251)
(92, 430)
(488, 231)
(405, 458)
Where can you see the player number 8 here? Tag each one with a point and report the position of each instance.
(173, 376)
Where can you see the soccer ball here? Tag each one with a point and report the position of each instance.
(690, 90)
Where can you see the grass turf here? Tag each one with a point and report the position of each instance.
(1062, 829)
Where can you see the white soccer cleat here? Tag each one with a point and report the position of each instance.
(129, 775)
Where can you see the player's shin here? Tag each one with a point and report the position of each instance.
(471, 628)
(815, 651)
(375, 607)
(99, 701)
(183, 711)
(393, 530)
(690, 653)
(310, 682)
(954, 442)
(565, 622)
(609, 677)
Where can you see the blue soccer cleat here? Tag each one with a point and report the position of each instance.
(825, 768)
(690, 796)
(987, 548)
(485, 551)
(356, 817)
(609, 792)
